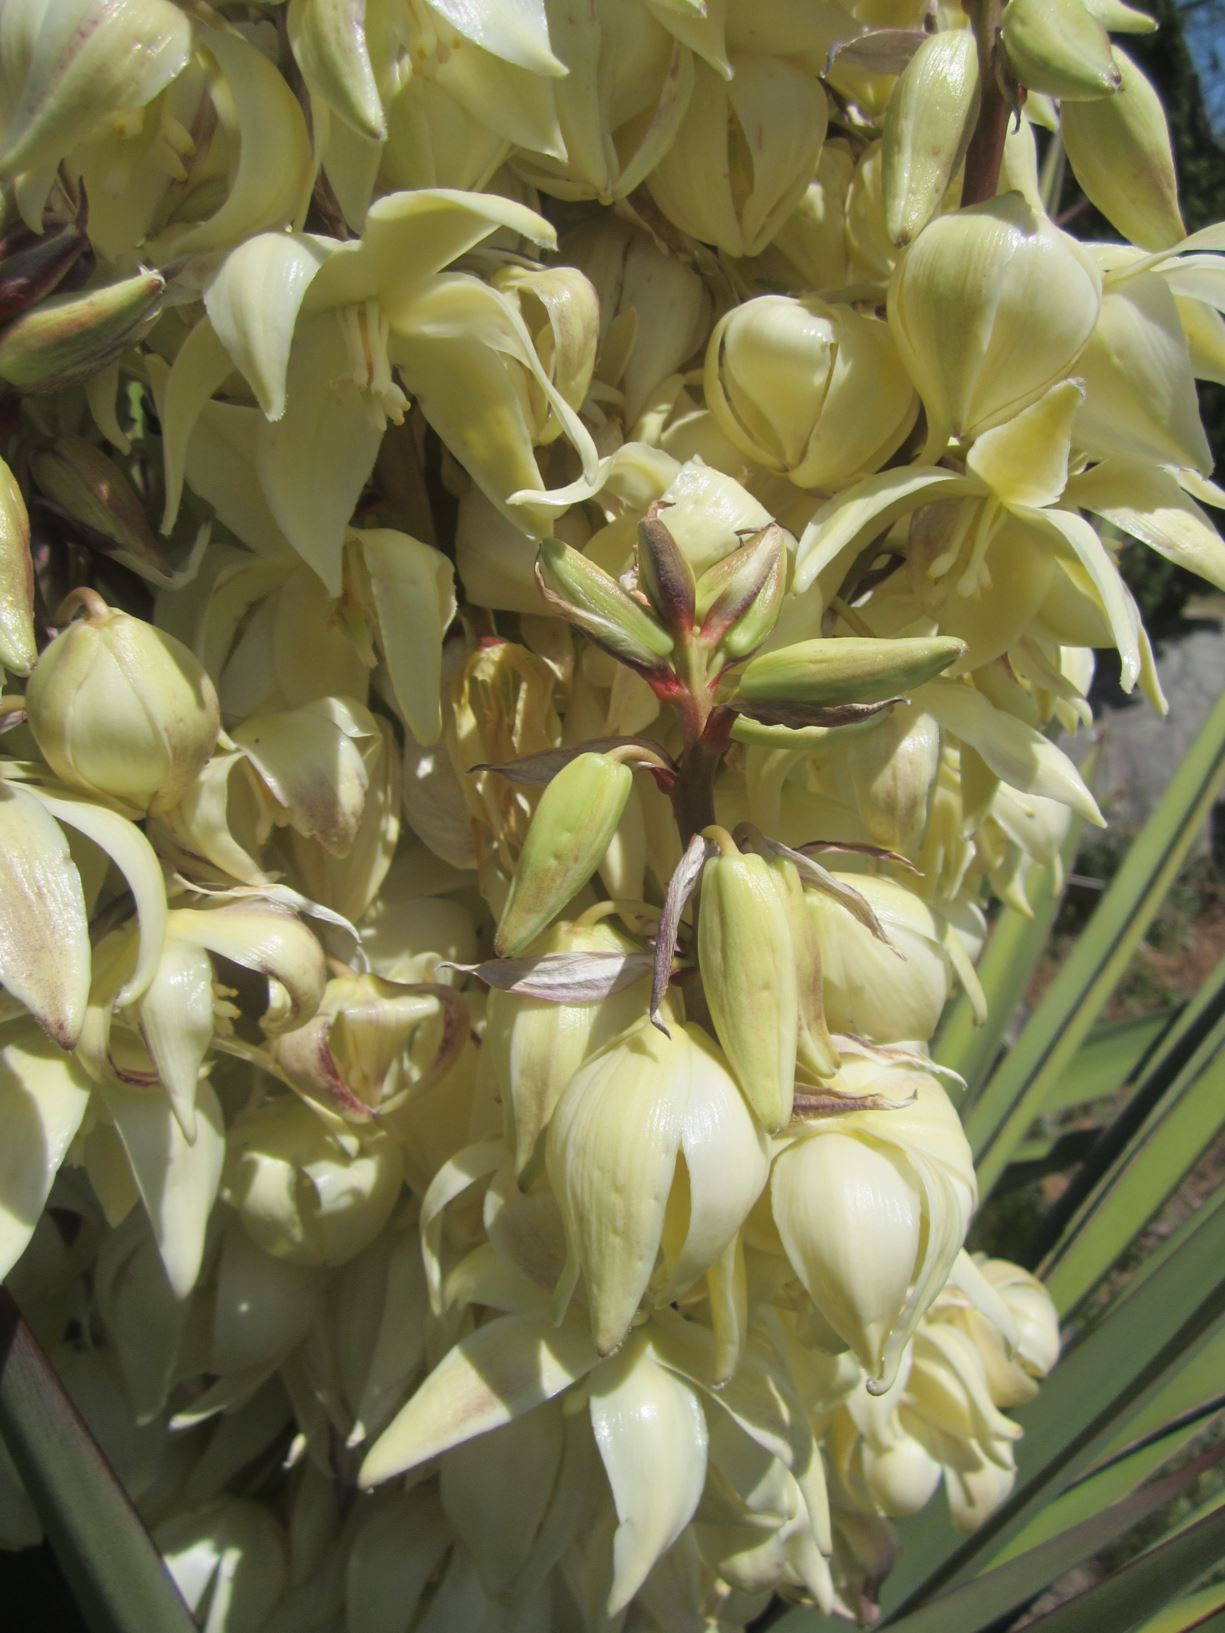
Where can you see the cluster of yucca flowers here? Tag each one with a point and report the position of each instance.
(477, 891)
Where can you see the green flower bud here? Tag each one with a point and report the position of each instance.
(592, 600)
(122, 710)
(738, 599)
(304, 1196)
(1059, 48)
(811, 390)
(827, 673)
(748, 968)
(570, 832)
(91, 489)
(664, 573)
(17, 648)
(928, 125)
(66, 339)
(1119, 149)
(1026, 293)
(30, 273)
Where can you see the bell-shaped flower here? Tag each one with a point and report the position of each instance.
(630, 77)
(872, 1208)
(266, 937)
(305, 1193)
(1013, 1373)
(188, 174)
(651, 1432)
(990, 307)
(653, 1155)
(311, 765)
(787, 382)
(316, 326)
(44, 1095)
(743, 153)
(536, 1045)
(495, 65)
(45, 956)
(949, 1411)
(44, 928)
(372, 1043)
(810, 251)
(68, 67)
(890, 990)
(17, 649)
(1018, 470)
(1140, 402)
(653, 307)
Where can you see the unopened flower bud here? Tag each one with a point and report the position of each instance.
(826, 673)
(572, 828)
(91, 489)
(928, 125)
(812, 390)
(66, 339)
(1119, 150)
(748, 970)
(1059, 48)
(17, 648)
(122, 710)
(30, 273)
(304, 1196)
(738, 599)
(590, 599)
(1028, 293)
(664, 573)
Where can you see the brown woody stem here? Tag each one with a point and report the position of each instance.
(986, 151)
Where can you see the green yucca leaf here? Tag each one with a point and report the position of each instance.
(980, 1603)
(1027, 1077)
(1201, 1609)
(1181, 1408)
(1130, 1595)
(1112, 1055)
(1149, 1167)
(116, 1574)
